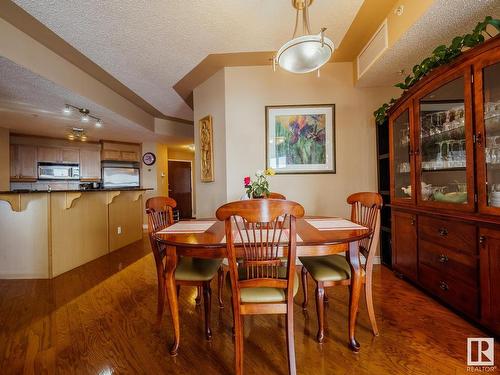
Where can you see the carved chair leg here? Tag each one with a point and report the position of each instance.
(221, 281)
(197, 300)
(290, 344)
(161, 296)
(369, 306)
(320, 309)
(207, 303)
(326, 297)
(304, 287)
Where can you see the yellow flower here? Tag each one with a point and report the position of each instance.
(270, 172)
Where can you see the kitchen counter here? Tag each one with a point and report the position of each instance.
(27, 191)
(45, 234)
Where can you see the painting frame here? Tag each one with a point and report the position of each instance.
(207, 173)
(273, 111)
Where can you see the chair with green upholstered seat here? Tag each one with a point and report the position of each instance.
(189, 271)
(333, 270)
(257, 232)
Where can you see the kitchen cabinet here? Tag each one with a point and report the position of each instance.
(445, 178)
(23, 162)
(58, 155)
(489, 247)
(116, 151)
(90, 165)
(404, 251)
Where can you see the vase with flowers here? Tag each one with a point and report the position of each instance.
(259, 187)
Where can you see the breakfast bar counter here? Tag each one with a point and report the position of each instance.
(44, 234)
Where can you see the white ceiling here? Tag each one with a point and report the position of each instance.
(31, 104)
(149, 46)
(444, 20)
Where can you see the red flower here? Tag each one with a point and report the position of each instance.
(247, 180)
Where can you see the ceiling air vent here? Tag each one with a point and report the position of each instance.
(378, 43)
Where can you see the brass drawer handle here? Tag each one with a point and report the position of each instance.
(443, 285)
(443, 231)
(482, 240)
(443, 258)
(412, 221)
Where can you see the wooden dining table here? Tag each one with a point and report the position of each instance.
(311, 241)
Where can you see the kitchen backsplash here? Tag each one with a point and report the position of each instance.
(54, 185)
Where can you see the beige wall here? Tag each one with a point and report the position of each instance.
(4, 160)
(249, 89)
(209, 99)
(155, 176)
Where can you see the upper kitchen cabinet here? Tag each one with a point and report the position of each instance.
(90, 165)
(116, 151)
(58, 155)
(23, 162)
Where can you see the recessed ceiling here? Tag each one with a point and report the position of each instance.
(444, 20)
(150, 46)
(30, 104)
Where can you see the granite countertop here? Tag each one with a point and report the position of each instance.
(27, 191)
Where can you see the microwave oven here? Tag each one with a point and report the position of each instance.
(48, 171)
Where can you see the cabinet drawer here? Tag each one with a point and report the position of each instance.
(448, 262)
(457, 294)
(452, 234)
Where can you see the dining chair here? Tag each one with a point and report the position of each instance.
(189, 271)
(257, 230)
(162, 203)
(224, 269)
(273, 195)
(332, 270)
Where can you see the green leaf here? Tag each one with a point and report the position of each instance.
(494, 22)
(401, 85)
(439, 49)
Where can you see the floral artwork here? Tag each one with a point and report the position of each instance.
(300, 139)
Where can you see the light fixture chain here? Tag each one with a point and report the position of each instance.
(296, 24)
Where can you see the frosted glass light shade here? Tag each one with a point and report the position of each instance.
(305, 53)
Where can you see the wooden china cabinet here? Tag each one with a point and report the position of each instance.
(444, 136)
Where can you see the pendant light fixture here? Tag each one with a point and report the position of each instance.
(307, 52)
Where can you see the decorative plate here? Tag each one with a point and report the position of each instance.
(149, 158)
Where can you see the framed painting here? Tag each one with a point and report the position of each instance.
(300, 138)
(206, 150)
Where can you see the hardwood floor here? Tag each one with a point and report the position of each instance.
(100, 319)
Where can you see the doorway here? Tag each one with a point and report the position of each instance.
(180, 186)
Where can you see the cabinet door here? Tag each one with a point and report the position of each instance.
(489, 242)
(90, 164)
(487, 99)
(444, 150)
(27, 161)
(129, 156)
(404, 243)
(70, 155)
(401, 156)
(49, 155)
(14, 162)
(111, 155)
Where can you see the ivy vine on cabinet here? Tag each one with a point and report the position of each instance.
(445, 184)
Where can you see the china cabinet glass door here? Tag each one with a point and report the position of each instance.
(488, 136)
(402, 156)
(444, 158)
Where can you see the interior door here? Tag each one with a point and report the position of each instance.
(179, 186)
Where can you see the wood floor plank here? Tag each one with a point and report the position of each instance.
(100, 319)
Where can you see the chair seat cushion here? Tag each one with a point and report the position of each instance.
(266, 294)
(328, 268)
(196, 269)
